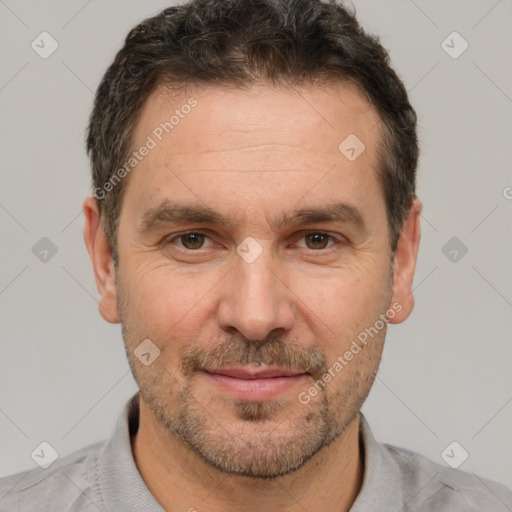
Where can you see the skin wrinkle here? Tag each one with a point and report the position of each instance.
(168, 213)
(293, 307)
(241, 149)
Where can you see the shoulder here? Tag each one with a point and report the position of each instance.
(67, 485)
(429, 486)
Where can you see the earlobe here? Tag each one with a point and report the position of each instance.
(101, 258)
(404, 263)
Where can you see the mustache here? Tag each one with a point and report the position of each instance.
(242, 351)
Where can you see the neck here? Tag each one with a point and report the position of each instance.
(180, 480)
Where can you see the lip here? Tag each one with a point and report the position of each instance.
(255, 384)
(253, 372)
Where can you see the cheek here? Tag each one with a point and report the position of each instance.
(341, 305)
(166, 302)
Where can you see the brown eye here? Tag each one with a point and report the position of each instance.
(192, 240)
(317, 240)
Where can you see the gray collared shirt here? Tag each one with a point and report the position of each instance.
(103, 477)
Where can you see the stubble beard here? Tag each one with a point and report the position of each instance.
(262, 440)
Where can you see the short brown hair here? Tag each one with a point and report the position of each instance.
(238, 42)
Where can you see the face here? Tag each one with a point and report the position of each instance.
(250, 244)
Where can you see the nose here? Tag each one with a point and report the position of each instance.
(255, 299)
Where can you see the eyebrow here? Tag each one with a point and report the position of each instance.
(180, 213)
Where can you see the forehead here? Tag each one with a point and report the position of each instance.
(229, 117)
(261, 141)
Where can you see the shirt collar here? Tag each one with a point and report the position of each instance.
(122, 488)
(382, 481)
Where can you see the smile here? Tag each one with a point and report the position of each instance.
(255, 384)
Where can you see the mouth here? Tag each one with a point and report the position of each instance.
(254, 383)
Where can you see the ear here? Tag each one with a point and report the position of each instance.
(101, 258)
(404, 263)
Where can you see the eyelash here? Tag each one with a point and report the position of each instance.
(175, 236)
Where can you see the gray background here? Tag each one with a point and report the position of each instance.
(445, 374)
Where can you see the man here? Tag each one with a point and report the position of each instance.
(254, 226)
